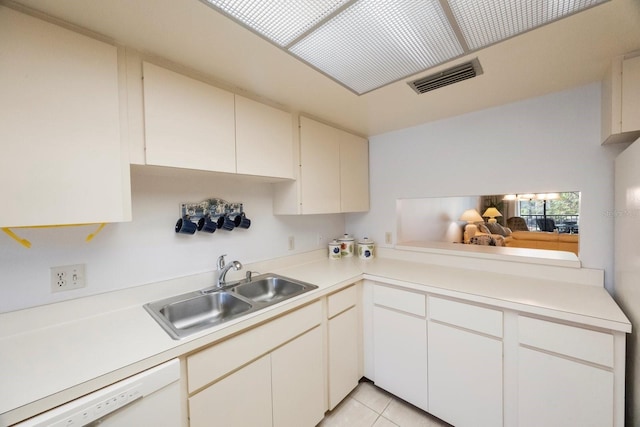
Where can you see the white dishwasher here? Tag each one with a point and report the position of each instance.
(150, 398)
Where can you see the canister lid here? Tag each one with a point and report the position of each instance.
(365, 241)
(346, 238)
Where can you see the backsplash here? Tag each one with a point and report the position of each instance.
(147, 249)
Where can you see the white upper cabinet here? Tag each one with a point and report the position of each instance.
(194, 125)
(354, 173)
(334, 173)
(621, 101)
(264, 140)
(188, 124)
(62, 160)
(320, 167)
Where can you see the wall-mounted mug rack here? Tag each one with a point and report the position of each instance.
(211, 215)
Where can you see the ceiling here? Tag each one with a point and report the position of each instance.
(568, 53)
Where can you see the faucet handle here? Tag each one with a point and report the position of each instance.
(221, 261)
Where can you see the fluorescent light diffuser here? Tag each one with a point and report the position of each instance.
(367, 44)
(484, 22)
(373, 43)
(280, 21)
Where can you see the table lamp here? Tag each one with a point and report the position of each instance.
(492, 213)
(471, 216)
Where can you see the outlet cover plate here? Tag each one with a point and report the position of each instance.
(67, 277)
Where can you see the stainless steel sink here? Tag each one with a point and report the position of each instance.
(186, 314)
(189, 313)
(271, 288)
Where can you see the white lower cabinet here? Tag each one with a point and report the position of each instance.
(241, 399)
(400, 344)
(565, 375)
(465, 363)
(474, 365)
(558, 392)
(271, 375)
(343, 339)
(297, 382)
(465, 377)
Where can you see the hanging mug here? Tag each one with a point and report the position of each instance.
(186, 226)
(207, 225)
(241, 221)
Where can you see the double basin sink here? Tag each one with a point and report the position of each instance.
(186, 314)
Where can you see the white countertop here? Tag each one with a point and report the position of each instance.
(52, 354)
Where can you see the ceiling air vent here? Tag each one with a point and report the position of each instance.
(447, 77)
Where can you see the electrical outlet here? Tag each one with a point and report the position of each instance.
(67, 277)
(320, 239)
(292, 243)
(387, 237)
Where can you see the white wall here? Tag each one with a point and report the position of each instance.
(433, 219)
(148, 249)
(550, 143)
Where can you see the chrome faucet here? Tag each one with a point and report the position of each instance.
(224, 269)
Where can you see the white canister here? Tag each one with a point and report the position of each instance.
(347, 243)
(366, 248)
(334, 250)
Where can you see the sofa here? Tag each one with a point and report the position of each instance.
(543, 240)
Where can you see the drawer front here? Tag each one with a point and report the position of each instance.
(340, 301)
(585, 344)
(409, 302)
(216, 361)
(472, 317)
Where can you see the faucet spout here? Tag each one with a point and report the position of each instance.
(235, 265)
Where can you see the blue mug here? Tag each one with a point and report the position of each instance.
(241, 221)
(207, 225)
(186, 226)
(226, 223)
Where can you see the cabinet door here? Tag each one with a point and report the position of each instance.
(631, 94)
(343, 356)
(188, 123)
(264, 140)
(400, 355)
(354, 173)
(62, 161)
(243, 399)
(559, 392)
(465, 371)
(320, 167)
(298, 381)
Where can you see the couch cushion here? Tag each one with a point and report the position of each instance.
(482, 228)
(570, 238)
(535, 235)
(496, 228)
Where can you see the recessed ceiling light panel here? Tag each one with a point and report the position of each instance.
(281, 21)
(484, 22)
(373, 43)
(367, 44)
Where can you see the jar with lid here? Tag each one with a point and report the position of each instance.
(334, 250)
(366, 248)
(347, 245)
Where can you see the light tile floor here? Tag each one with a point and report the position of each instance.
(370, 406)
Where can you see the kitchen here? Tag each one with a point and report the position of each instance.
(147, 250)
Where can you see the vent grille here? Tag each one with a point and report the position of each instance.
(447, 77)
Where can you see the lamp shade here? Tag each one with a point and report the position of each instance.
(491, 213)
(471, 215)
(548, 196)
